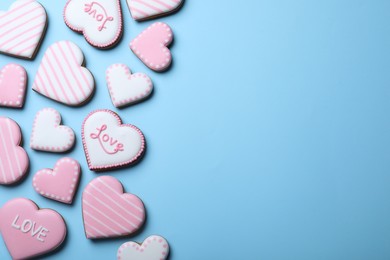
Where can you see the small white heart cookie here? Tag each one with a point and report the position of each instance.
(48, 135)
(153, 248)
(126, 88)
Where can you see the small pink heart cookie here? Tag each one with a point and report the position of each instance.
(14, 161)
(108, 143)
(151, 46)
(147, 9)
(22, 28)
(48, 135)
(108, 211)
(13, 83)
(126, 88)
(59, 184)
(29, 231)
(153, 248)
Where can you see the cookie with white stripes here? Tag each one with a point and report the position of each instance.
(148, 9)
(22, 29)
(108, 212)
(62, 76)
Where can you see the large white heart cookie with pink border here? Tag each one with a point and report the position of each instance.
(153, 248)
(110, 144)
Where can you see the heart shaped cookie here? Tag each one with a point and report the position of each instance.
(110, 144)
(62, 77)
(59, 184)
(29, 231)
(151, 46)
(108, 212)
(126, 88)
(47, 133)
(100, 21)
(13, 83)
(22, 29)
(147, 9)
(153, 248)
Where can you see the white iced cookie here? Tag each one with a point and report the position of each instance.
(100, 21)
(48, 135)
(153, 248)
(148, 9)
(126, 88)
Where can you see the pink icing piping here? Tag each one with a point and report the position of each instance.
(22, 84)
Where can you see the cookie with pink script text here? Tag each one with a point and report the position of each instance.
(151, 46)
(29, 231)
(22, 29)
(100, 21)
(108, 143)
(153, 248)
(62, 77)
(60, 183)
(48, 134)
(13, 83)
(126, 88)
(109, 212)
(148, 9)
(14, 160)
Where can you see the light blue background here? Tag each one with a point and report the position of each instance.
(269, 138)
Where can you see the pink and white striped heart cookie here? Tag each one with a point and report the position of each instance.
(62, 77)
(148, 9)
(126, 88)
(22, 28)
(108, 211)
(153, 248)
(13, 83)
(14, 161)
(61, 183)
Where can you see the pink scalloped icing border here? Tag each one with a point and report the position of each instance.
(115, 165)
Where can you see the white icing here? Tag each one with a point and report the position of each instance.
(144, 9)
(153, 248)
(28, 225)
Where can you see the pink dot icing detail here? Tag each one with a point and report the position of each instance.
(154, 247)
(13, 83)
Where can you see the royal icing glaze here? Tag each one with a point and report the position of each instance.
(151, 46)
(147, 9)
(108, 211)
(59, 184)
(62, 77)
(29, 231)
(14, 161)
(108, 143)
(126, 88)
(13, 83)
(22, 28)
(153, 248)
(47, 133)
(100, 21)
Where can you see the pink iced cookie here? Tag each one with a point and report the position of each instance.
(14, 161)
(147, 9)
(59, 184)
(126, 88)
(108, 212)
(153, 248)
(13, 83)
(151, 46)
(62, 77)
(100, 21)
(22, 28)
(48, 135)
(29, 231)
(110, 144)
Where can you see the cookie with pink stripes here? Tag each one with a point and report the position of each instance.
(22, 29)
(109, 212)
(62, 77)
(49, 135)
(148, 9)
(100, 21)
(153, 248)
(14, 161)
(60, 183)
(126, 88)
(13, 83)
